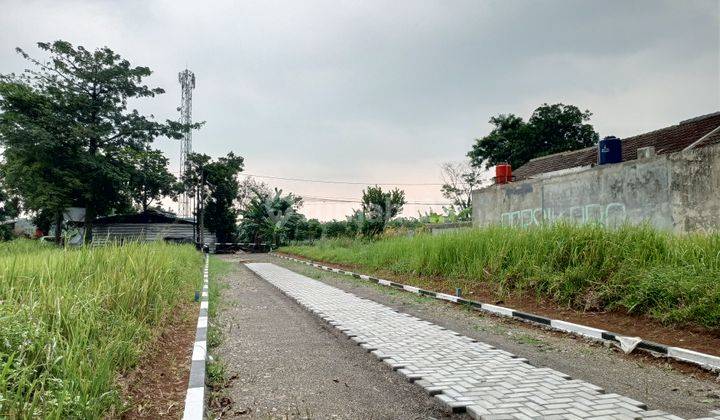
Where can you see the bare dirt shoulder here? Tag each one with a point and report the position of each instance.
(689, 337)
(674, 387)
(157, 387)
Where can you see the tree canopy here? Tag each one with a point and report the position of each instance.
(40, 160)
(149, 178)
(216, 187)
(550, 129)
(67, 129)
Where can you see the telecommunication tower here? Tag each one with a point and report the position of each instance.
(187, 84)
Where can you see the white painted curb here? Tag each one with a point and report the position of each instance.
(195, 397)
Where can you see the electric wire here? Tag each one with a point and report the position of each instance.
(320, 200)
(319, 181)
(307, 199)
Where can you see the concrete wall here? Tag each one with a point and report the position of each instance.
(679, 192)
(439, 229)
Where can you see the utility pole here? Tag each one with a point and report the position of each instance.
(195, 201)
(202, 206)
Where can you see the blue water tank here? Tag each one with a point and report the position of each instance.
(609, 150)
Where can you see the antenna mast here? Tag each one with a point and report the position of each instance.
(187, 84)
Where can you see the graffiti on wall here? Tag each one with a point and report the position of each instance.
(610, 215)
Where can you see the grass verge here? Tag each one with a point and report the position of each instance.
(217, 377)
(639, 270)
(72, 320)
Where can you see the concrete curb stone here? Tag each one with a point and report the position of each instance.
(195, 397)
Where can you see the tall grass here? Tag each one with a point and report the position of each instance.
(71, 320)
(673, 278)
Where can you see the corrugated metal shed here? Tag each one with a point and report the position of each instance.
(120, 232)
(149, 226)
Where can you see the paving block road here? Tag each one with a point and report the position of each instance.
(283, 362)
(464, 374)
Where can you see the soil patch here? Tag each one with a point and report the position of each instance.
(157, 387)
(689, 337)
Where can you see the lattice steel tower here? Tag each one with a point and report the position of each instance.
(187, 84)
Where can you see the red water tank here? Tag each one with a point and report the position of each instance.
(503, 173)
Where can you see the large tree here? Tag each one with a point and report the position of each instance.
(550, 129)
(88, 94)
(41, 157)
(216, 187)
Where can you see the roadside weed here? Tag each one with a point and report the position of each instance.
(636, 269)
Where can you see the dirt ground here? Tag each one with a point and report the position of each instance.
(287, 363)
(667, 386)
(157, 387)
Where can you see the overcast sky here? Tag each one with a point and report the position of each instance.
(385, 91)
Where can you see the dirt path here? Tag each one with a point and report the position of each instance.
(156, 387)
(655, 382)
(290, 364)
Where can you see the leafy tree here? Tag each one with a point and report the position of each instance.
(559, 128)
(378, 207)
(314, 229)
(40, 162)
(216, 187)
(551, 129)
(459, 180)
(149, 178)
(335, 229)
(84, 106)
(299, 228)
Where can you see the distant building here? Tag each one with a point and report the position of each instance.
(151, 225)
(669, 178)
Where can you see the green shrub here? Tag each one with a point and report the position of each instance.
(673, 278)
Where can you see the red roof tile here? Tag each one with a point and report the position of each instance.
(666, 140)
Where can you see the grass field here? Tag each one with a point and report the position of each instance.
(672, 278)
(72, 320)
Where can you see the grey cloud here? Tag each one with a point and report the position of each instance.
(373, 90)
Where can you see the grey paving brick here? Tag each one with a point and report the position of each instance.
(462, 373)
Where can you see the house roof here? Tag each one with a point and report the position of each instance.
(665, 140)
(150, 216)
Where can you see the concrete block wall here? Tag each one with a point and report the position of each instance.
(439, 229)
(678, 192)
